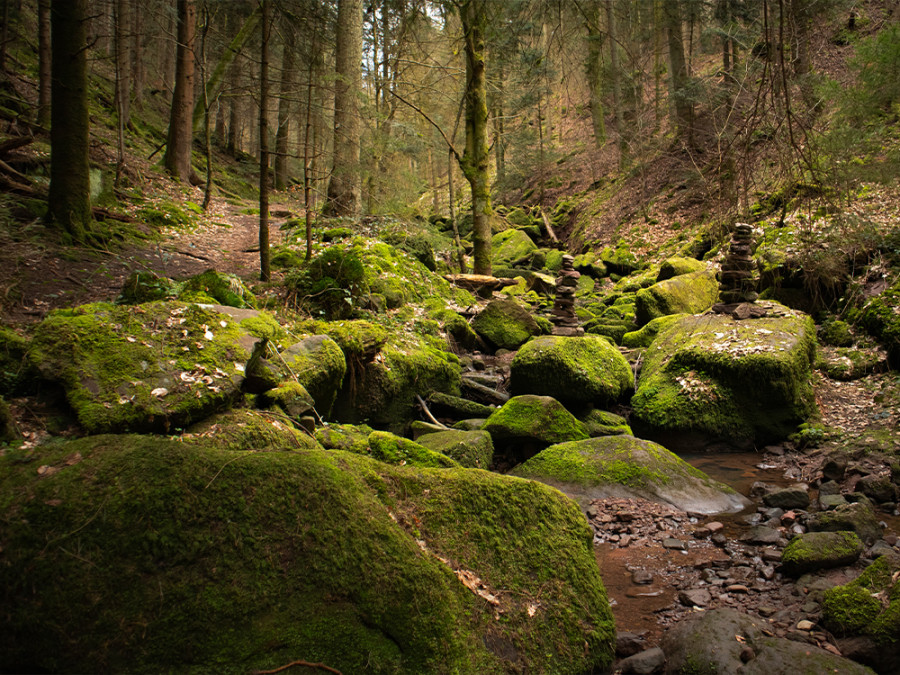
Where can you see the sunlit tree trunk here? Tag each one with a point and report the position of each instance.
(682, 110)
(177, 159)
(264, 272)
(592, 67)
(285, 103)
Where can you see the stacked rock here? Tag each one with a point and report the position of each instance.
(738, 281)
(564, 305)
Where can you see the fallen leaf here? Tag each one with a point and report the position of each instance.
(159, 391)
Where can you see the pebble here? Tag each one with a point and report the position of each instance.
(674, 544)
(805, 625)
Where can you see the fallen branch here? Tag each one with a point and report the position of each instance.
(428, 412)
(320, 666)
(14, 143)
(549, 227)
(106, 214)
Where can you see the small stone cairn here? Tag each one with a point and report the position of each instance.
(738, 280)
(564, 305)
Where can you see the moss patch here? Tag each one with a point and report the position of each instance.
(505, 324)
(820, 550)
(472, 449)
(684, 294)
(511, 247)
(536, 418)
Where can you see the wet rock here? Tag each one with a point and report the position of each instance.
(879, 489)
(645, 663)
(834, 468)
(820, 550)
(628, 643)
(858, 517)
(761, 535)
(829, 502)
(695, 597)
(880, 548)
(829, 487)
(794, 497)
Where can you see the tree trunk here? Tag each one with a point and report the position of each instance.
(137, 57)
(308, 155)
(44, 58)
(288, 83)
(4, 35)
(264, 272)
(122, 19)
(592, 67)
(475, 159)
(616, 74)
(681, 107)
(70, 183)
(177, 160)
(344, 186)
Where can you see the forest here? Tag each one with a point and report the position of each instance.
(450, 336)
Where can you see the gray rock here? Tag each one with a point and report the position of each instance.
(647, 662)
(793, 497)
(761, 535)
(674, 544)
(694, 597)
(628, 643)
(834, 467)
(829, 488)
(828, 502)
(820, 550)
(879, 489)
(858, 517)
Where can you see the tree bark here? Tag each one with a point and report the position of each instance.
(475, 164)
(592, 68)
(70, 183)
(288, 83)
(122, 19)
(344, 186)
(44, 63)
(616, 74)
(264, 271)
(682, 110)
(137, 57)
(177, 160)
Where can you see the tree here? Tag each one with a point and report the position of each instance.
(592, 67)
(177, 159)
(44, 63)
(288, 84)
(70, 183)
(264, 272)
(344, 186)
(682, 110)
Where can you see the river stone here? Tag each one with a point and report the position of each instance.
(505, 324)
(252, 559)
(794, 497)
(646, 662)
(472, 449)
(708, 638)
(761, 535)
(694, 597)
(712, 377)
(624, 467)
(151, 367)
(857, 517)
(585, 369)
(829, 502)
(684, 294)
(819, 551)
(879, 489)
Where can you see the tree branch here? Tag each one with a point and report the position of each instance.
(433, 123)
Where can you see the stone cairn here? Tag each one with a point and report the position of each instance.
(564, 305)
(738, 280)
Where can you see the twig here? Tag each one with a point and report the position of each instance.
(428, 412)
(320, 666)
(221, 469)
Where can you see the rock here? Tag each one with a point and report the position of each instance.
(511, 247)
(454, 406)
(319, 365)
(641, 577)
(472, 449)
(571, 369)
(829, 487)
(391, 449)
(505, 324)
(644, 663)
(794, 497)
(624, 466)
(150, 367)
(820, 550)
(708, 638)
(740, 382)
(628, 643)
(879, 489)
(695, 597)
(278, 550)
(141, 287)
(686, 294)
(674, 544)
(646, 334)
(291, 397)
(250, 430)
(829, 502)
(538, 420)
(761, 535)
(347, 437)
(881, 318)
(857, 517)
(834, 467)
(602, 423)
(676, 266)
(805, 625)
(212, 287)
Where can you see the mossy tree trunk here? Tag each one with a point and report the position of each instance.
(344, 185)
(682, 110)
(475, 164)
(593, 67)
(44, 67)
(288, 84)
(70, 181)
(177, 159)
(264, 272)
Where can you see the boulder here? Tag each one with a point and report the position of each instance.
(881, 317)
(391, 449)
(456, 407)
(741, 382)
(646, 662)
(13, 362)
(676, 266)
(532, 422)
(214, 287)
(317, 363)
(794, 497)
(349, 437)
(645, 336)
(505, 324)
(879, 489)
(857, 517)
(624, 466)
(472, 449)
(814, 551)
(706, 642)
(511, 247)
(190, 557)
(151, 367)
(603, 423)
(576, 370)
(253, 430)
(685, 294)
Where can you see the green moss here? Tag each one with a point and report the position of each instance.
(472, 449)
(567, 464)
(603, 423)
(848, 609)
(227, 289)
(511, 247)
(13, 364)
(285, 257)
(836, 334)
(142, 287)
(673, 267)
(686, 294)
(347, 437)
(856, 608)
(249, 430)
(881, 317)
(391, 449)
(647, 333)
(505, 324)
(8, 431)
(167, 214)
(539, 418)
(820, 550)
(335, 233)
(319, 364)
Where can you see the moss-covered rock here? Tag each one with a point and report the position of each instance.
(142, 287)
(836, 333)
(619, 259)
(647, 333)
(602, 423)
(317, 363)
(511, 247)
(624, 466)
(525, 424)
(457, 407)
(459, 330)
(590, 264)
(392, 449)
(850, 363)
(150, 367)
(193, 558)
(472, 449)
(505, 324)
(291, 397)
(674, 267)
(738, 381)
(13, 364)
(881, 317)
(584, 369)
(685, 294)
(383, 390)
(250, 430)
(8, 432)
(857, 517)
(814, 551)
(349, 437)
(224, 289)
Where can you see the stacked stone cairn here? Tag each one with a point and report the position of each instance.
(564, 305)
(739, 280)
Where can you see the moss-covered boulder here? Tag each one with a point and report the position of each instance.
(505, 324)
(624, 466)
(619, 259)
(739, 381)
(685, 294)
(349, 437)
(648, 332)
(150, 367)
(392, 449)
(13, 364)
(857, 517)
(317, 363)
(814, 551)
(472, 449)
(602, 423)
(676, 266)
(255, 430)
(584, 369)
(382, 391)
(457, 407)
(141, 287)
(290, 397)
(188, 557)
(217, 288)
(866, 611)
(715, 642)
(8, 431)
(528, 423)
(511, 247)
(881, 317)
